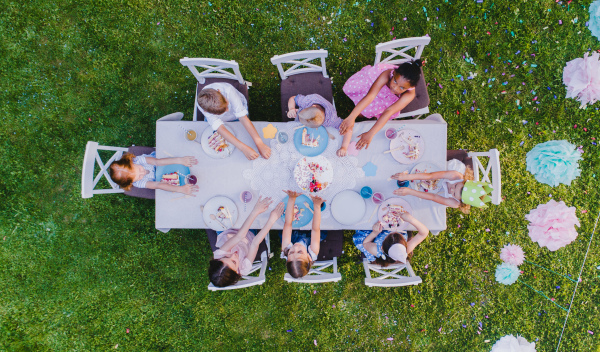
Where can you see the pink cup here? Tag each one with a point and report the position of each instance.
(378, 198)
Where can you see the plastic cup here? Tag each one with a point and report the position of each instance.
(246, 196)
(323, 206)
(391, 133)
(366, 192)
(191, 179)
(377, 198)
(404, 183)
(282, 137)
(190, 135)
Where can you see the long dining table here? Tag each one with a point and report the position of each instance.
(234, 174)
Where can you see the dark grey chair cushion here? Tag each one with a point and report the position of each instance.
(421, 99)
(332, 245)
(305, 84)
(212, 239)
(141, 192)
(242, 88)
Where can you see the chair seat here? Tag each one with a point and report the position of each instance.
(331, 247)
(305, 84)
(212, 239)
(421, 99)
(242, 88)
(141, 192)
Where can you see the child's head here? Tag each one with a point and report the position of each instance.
(312, 116)
(122, 172)
(212, 101)
(221, 274)
(298, 260)
(406, 76)
(389, 249)
(469, 176)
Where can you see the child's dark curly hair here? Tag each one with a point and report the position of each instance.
(221, 275)
(411, 71)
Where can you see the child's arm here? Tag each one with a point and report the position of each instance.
(365, 138)
(260, 207)
(187, 189)
(368, 243)
(263, 149)
(422, 229)
(343, 151)
(448, 175)
(184, 160)
(250, 153)
(348, 122)
(292, 111)
(449, 202)
(275, 214)
(315, 233)
(286, 233)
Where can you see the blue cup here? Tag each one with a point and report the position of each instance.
(366, 192)
(404, 183)
(323, 206)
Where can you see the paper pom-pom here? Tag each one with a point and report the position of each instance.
(512, 254)
(582, 78)
(554, 162)
(594, 24)
(509, 343)
(552, 225)
(507, 274)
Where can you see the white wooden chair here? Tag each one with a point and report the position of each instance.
(389, 276)
(398, 51)
(215, 70)
(317, 273)
(303, 72)
(492, 169)
(90, 159)
(256, 275)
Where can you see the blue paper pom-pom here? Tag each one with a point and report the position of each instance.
(554, 162)
(594, 23)
(507, 274)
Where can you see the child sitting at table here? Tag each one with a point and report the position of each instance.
(380, 91)
(238, 248)
(314, 111)
(221, 102)
(454, 180)
(140, 171)
(384, 247)
(300, 250)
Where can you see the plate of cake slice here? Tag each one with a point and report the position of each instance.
(311, 141)
(215, 145)
(220, 213)
(390, 214)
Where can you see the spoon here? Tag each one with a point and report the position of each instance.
(308, 207)
(213, 217)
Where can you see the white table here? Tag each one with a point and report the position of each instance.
(225, 177)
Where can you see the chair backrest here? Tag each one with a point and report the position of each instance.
(317, 273)
(214, 68)
(492, 169)
(176, 116)
(301, 62)
(388, 276)
(247, 280)
(90, 159)
(399, 48)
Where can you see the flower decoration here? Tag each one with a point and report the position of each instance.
(554, 162)
(269, 131)
(594, 24)
(512, 254)
(552, 225)
(507, 274)
(582, 78)
(509, 343)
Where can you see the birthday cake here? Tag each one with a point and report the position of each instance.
(413, 151)
(217, 143)
(393, 218)
(223, 213)
(297, 213)
(313, 174)
(171, 179)
(428, 185)
(308, 140)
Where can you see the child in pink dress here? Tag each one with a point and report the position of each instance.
(380, 91)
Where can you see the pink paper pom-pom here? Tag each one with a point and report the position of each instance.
(552, 225)
(512, 254)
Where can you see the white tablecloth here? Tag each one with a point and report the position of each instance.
(231, 176)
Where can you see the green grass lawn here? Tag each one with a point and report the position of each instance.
(94, 274)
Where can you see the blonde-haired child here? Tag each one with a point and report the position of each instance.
(314, 111)
(140, 171)
(221, 102)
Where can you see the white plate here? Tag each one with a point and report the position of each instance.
(303, 174)
(404, 147)
(211, 152)
(383, 210)
(348, 207)
(212, 206)
(423, 186)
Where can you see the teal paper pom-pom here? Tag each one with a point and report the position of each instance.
(507, 274)
(554, 162)
(594, 24)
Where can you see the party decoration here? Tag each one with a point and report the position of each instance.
(509, 343)
(552, 225)
(512, 254)
(352, 149)
(582, 78)
(594, 23)
(554, 162)
(476, 193)
(507, 274)
(370, 169)
(269, 131)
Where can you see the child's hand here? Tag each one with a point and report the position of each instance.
(317, 201)
(342, 152)
(264, 150)
(292, 194)
(364, 141)
(292, 113)
(404, 191)
(377, 227)
(250, 153)
(262, 205)
(401, 176)
(188, 189)
(188, 161)
(346, 126)
(277, 212)
(406, 217)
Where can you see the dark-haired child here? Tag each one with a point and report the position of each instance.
(380, 91)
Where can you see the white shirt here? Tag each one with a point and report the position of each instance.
(237, 104)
